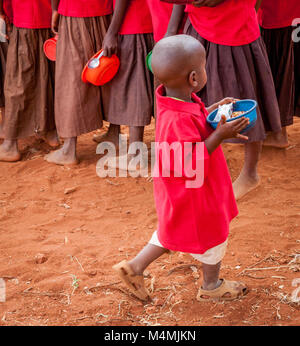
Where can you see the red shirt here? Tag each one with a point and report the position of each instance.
(32, 14)
(7, 7)
(190, 219)
(278, 13)
(160, 14)
(232, 23)
(85, 8)
(137, 19)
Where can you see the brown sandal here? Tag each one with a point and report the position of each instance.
(228, 290)
(135, 283)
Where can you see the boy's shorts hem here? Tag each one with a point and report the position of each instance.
(211, 256)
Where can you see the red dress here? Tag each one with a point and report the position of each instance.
(190, 219)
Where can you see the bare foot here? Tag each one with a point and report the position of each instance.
(111, 136)
(243, 185)
(51, 138)
(60, 158)
(277, 140)
(9, 153)
(128, 162)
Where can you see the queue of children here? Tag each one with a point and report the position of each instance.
(202, 58)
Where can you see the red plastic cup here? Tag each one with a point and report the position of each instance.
(102, 74)
(50, 48)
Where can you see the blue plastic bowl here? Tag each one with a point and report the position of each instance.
(247, 106)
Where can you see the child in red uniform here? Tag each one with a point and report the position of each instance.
(193, 220)
(29, 79)
(237, 65)
(81, 26)
(276, 19)
(128, 99)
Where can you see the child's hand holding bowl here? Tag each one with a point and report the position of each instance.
(232, 129)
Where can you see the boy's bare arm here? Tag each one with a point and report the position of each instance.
(175, 20)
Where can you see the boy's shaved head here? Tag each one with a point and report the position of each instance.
(176, 56)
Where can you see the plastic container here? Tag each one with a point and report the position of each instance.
(102, 74)
(247, 106)
(50, 48)
(148, 61)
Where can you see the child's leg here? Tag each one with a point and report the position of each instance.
(65, 155)
(136, 134)
(148, 255)
(211, 273)
(248, 178)
(9, 151)
(112, 135)
(277, 140)
(131, 272)
(219, 289)
(51, 139)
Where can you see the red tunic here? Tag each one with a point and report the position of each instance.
(85, 8)
(275, 14)
(191, 220)
(32, 14)
(232, 23)
(137, 19)
(160, 13)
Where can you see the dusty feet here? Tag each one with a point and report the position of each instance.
(107, 137)
(51, 139)
(132, 163)
(111, 136)
(61, 157)
(244, 184)
(277, 140)
(9, 151)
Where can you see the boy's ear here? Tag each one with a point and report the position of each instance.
(193, 80)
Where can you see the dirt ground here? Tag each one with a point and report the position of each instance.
(78, 225)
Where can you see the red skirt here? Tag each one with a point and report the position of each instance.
(29, 85)
(280, 50)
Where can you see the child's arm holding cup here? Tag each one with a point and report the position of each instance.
(55, 16)
(110, 42)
